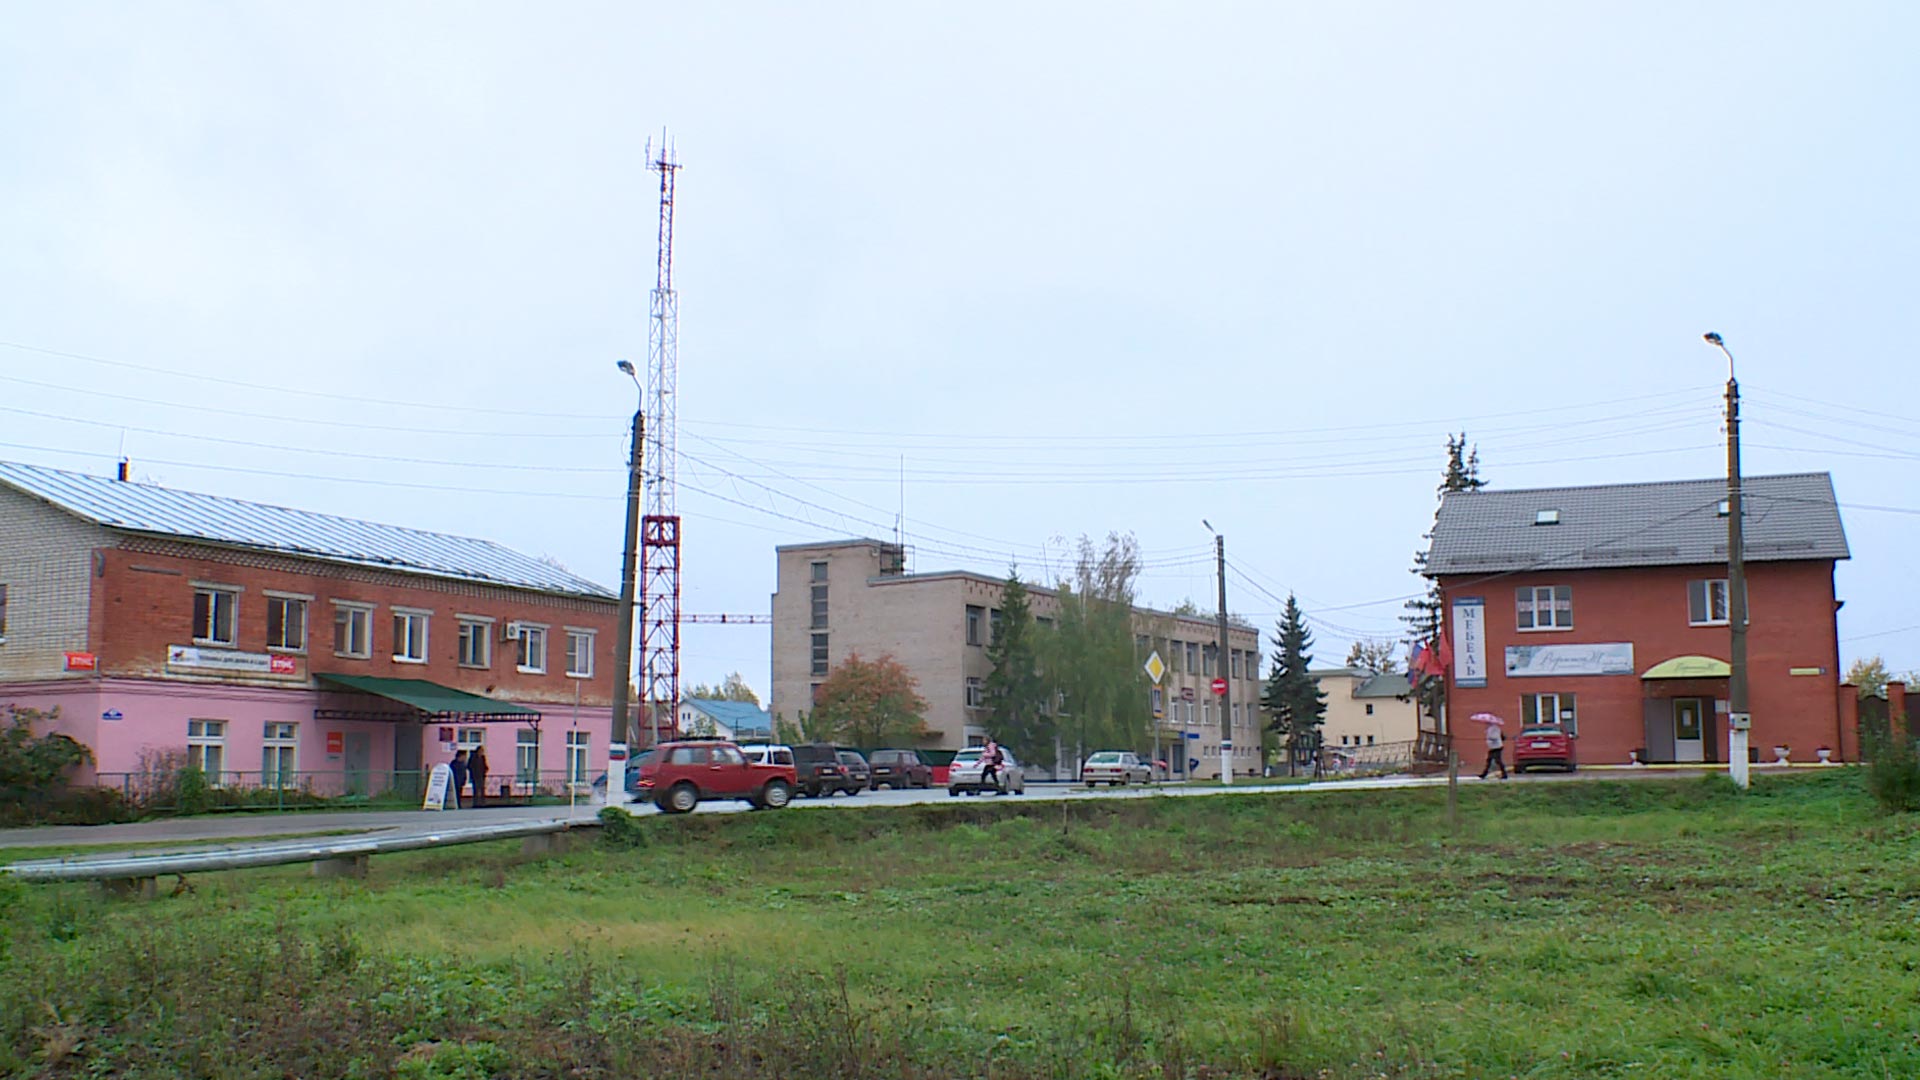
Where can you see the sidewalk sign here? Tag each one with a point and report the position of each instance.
(438, 786)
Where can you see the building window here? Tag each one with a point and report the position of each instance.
(976, 692)
(580, 654)
(476, 643)
(279, 750)
(1544, 607)
(213, 608)
(410, 636)
(526, 756)
(578, 743)
(207, 748)
(3, 612)
(1193, 657)
(819, 595)
(1209, 659)
(531, 643)
(1550, 709)
(813, 695)
(1369, 740)
(469, 738)
(975, 616)
(287, 623)
(996, 624)
(818, 571)
(1369, 709)
(819, 654)
(1707, 602)
(1236, 663)
(353, 630)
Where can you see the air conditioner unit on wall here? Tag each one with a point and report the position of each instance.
(510, 631)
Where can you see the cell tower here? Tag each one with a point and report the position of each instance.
(660, 527)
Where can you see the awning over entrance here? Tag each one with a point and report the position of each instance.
(423, 700)
(1689, 667)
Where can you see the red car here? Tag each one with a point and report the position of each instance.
(1543, 745)
(680, 774)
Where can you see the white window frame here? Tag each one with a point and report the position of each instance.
(819, 662)
(474, 628)
(216, 590)
(523, 633)
(403, 652)
(576, 651)
(279, 754)
(526, 754)
(1562, 702)
(469, 738)
(579, 752)
(976, 691)
(1551, 594)
(305, 605)
(347, 612)
(1704, 591)
(204, 736)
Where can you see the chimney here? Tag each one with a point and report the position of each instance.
(123, 470)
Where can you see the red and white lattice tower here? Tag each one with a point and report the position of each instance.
(660, 526)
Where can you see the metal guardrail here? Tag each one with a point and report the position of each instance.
(169, 790)
(140, 867)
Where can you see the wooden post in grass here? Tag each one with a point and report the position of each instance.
(1453, 789)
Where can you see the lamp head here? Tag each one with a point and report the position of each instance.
(1713, 339)
(625, 365)
(1209, 525)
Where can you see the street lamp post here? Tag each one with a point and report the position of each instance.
(623, 629)
(1221, 666)
(1739, 720)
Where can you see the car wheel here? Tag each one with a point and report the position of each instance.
(953, 793)
(776, 795)
(680, 799)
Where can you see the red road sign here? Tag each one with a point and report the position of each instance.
(1220, 687)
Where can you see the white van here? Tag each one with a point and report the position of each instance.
(768, 753)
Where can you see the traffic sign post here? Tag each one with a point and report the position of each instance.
(1220, 687)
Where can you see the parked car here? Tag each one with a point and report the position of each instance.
(859, 775)
(767, 753)
(900, 769)
(818, 767)
(1113, 768)
(965, 775)
(632, 778)
(1540, 745)
(680, 774)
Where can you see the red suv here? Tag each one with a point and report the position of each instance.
(680, 774)
(1540, 745)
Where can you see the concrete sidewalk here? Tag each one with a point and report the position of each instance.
(215, 829)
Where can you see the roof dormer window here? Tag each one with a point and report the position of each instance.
(1723, 509)
(1546, 517)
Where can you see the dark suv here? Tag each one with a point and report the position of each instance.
(900, 769)
(819, 770)
(859, 776)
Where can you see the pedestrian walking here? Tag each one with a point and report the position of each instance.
(990, 764)
(477, 769)
(1496, 744)
(459, 767)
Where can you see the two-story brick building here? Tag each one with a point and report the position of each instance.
(1606, 608)
(276, 646)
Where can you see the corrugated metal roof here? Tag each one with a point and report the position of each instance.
(739, 717)
(158, 511)
(1677, 523)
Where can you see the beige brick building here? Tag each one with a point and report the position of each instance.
(841, 597)
(1364, 709)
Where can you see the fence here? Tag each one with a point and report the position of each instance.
(190, 791)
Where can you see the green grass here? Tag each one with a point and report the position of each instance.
(1611, 929)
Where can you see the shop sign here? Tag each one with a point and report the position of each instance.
(228, 662)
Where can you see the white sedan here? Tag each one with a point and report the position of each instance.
(1115, 767)
(966, 774)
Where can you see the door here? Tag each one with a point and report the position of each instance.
(407, 781)
(1689, 727)
(359, 754)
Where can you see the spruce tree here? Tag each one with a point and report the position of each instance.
(1016, 694)
(1292, 699)
(1425, 614)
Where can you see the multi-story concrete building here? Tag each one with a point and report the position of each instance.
(843, 597)
(1366, 709)
(329, 652)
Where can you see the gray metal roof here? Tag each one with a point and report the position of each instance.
(1676, 523)
(158, 511)
(1387, 685)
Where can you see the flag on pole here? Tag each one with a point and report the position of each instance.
(1442, 655)
(1416, 663)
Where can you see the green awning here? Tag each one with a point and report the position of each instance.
(1689, 667)
(431, 701)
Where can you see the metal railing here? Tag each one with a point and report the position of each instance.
(191, 791)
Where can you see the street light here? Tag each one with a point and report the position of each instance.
(1739, 720)
(623, 630)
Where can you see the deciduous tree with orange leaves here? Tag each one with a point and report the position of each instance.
(872, 703)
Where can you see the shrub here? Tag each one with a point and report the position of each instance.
(34, 768)
(1893, 764)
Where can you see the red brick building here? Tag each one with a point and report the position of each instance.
(1606, 608)
(277, 646)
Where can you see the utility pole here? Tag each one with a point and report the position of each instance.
(1739, 720)
(623, 629)
(1223, 668)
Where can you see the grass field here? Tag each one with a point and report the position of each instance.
(1644, 929)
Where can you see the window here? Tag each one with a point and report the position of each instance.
(1546, 517)
(1544, 607)
(976, 692)
(526, 756)
(1209, 659)
(819, 654)
(819, 591)
(1193, 657)
(996, 623)
(813, 695)
(580, 654)
(207, 748)
(469, 738)
(531, 643)
(1369, 740)
(578, 743)
(353, 630)
(476, 643)
(1175, 654)
(287, 622)
(213, 607)
(1236, 663)
(1550, 709)
(975, 616)
(1369, 709)
(689, 755)
(3, 613)
(818, 571)
(410, 635)
(1707, 602)
(278, 754)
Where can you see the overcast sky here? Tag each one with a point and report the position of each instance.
(1028, 270)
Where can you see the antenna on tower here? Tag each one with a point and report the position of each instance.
(660, 527)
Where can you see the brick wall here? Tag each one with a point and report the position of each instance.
(1791, 626)
(45, 562)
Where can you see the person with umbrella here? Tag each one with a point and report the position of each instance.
(1496, 743)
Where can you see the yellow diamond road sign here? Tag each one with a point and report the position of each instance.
(1155, 668)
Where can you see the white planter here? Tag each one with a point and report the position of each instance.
(1826, 756)
(1780, 755)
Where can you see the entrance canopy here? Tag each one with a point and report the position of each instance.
(1689, 667)
(421, 700)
